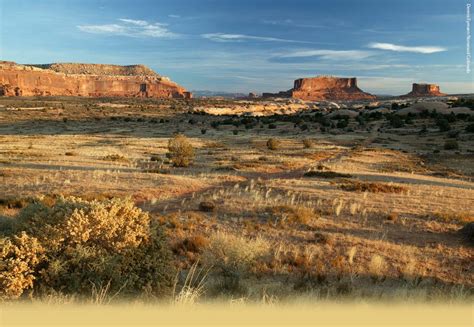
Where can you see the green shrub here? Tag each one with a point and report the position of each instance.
(451, 145)
(396, 121)
(180, 151)
(443, 125)
(343, 123)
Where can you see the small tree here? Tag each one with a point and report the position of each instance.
(180, 151)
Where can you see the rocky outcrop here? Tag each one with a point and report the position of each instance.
(424, 90)
(329, 88)
(86, 80)
(325, 88)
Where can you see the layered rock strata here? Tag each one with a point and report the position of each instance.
(91, 80)
(324, 88)
(424, 90)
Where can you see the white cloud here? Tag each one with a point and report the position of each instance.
(131, 28)
(134, 22)
(223, 37)
(290, 22)
(174, 16)
(329, 54)
(402, 48)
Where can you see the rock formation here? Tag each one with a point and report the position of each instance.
(325, 88)
(86, 80)
(424, 90)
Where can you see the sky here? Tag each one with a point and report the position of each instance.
(251, 46)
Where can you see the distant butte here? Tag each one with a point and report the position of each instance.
(424, 90)
(324, 88)
(75, 79)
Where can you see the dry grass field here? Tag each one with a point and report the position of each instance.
(358, 210)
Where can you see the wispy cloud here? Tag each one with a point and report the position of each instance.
(223, 37)
(402, 48)
(131, 28)
(174, 16)
(329, 54)
(289, 22)
(134, 22)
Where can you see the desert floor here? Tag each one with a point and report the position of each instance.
(326, 235)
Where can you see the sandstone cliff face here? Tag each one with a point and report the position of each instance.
(324, 88)
(424, 90)
(86, 80)
(328, 88)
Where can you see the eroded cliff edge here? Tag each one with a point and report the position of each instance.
(97, 80)
(424, 90)
(324, 88)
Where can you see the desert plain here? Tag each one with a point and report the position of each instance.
(282, 200)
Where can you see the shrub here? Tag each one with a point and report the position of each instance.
(324, 238)
(19, 257)
(229, 253)
(396, 121)
(273, 144)
(92, 244)
(207, 206)
(304, 127)
(291, 215)
(195, 244)
(470, 128)
(357, 186)
(343, 123)
(326, 174)
(468, 232)
(443, 125)
(14, 203)
(451, 145)
(455, 217)
(180, 151)
(115, 157)
(393, 216)
(308, 143)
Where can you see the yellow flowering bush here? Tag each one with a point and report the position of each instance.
(92, 244)
(19, 256)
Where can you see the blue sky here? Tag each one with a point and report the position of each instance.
(243, 46)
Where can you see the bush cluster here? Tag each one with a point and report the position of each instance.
(180, 151)
(76, 246)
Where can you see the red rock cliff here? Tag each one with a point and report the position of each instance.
(328, 88)
(86, 80)
(424, 90)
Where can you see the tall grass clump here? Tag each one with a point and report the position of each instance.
(233, 258)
